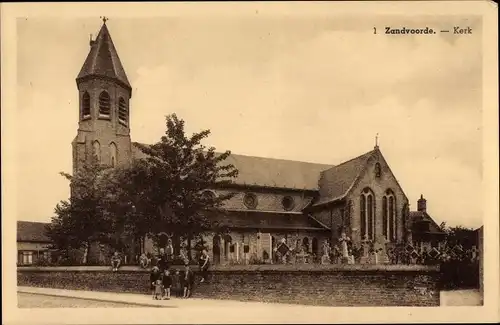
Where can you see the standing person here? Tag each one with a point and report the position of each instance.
(204, 265)
(158, 290)
(167, 284)
(170, 250)
(153, 277)
(176, 283)
(162, 260)
(115, 262)
(188, 281)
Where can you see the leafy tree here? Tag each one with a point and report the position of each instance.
(174, 176)
(130, 202)
(459, 235)
(81, 220)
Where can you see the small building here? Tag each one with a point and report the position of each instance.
(32, 243)
(425, 232)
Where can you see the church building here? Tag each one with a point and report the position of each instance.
(306, 205)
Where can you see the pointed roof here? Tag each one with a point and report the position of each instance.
(103, 60)
(336, 182)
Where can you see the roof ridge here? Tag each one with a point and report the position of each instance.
(261, 157)
(26, 221)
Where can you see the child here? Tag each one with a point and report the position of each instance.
(176, 283)
(115, 262)
(167, 284)
(158, 290)
(144, 261)
(188, 282)
(153, 277)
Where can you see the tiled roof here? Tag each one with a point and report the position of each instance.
(280, 173)
(271, 172)
(259, 220)
(420, 216)
(28, 231)
(335, 182)
(103, 59)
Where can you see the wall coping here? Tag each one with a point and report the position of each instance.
(380, 268)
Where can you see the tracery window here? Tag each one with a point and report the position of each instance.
(389, 215)
(367, 209)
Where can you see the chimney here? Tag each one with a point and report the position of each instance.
(422, 204)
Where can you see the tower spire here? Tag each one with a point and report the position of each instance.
(104, 19)
(376, 141)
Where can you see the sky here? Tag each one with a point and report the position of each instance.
(314, 89)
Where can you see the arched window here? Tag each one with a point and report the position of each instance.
(113, 152)
(104, 104)
(362, 210)
(389, 215)
(305, 244)
(367, 208)
(385, 221)
(315, 246)
(97, 150)
(85, 105)
(392, 219)
(122, 111)
(228, 241)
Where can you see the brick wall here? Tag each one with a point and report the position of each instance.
(102, 130)
(324, 285)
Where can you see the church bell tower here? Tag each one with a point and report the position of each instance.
(104, 95)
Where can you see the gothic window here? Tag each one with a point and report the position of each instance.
(315, 246)
(288, 203)
(122, 111)
(104, 104)
(85, 105)
(385, 221)
(367, 208)
(227, 246)
(250, 200)
(391, 219)
(305, 244)
(362, 205)
(389, 215)
(113, 154)
(378, 171)
(97, 150)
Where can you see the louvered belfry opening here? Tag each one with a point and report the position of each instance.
(86, 105)
(104, 104)
(122, 111)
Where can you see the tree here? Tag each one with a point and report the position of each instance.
(177, 171)
(81, 220)
(459, 235)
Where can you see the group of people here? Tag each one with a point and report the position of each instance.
(165, 281)
(163, 284)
